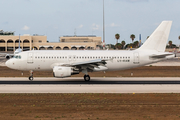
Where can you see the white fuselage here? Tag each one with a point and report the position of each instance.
(116, 59)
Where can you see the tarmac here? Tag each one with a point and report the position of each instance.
(2, 61)
(90, 89)
(97, 85)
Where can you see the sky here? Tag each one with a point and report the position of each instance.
(56, 18)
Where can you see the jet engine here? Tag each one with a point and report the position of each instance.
(7, 56)
(62, 72)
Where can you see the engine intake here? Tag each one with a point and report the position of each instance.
(62, 72)
(7, 56)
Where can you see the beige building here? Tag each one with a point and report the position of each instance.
(81, 42)
(11, 42)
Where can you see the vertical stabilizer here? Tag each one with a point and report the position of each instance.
(158, 39)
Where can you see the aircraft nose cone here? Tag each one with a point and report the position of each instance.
(7, 63)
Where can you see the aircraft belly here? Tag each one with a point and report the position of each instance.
(119, 65)
(39, 65)
(21, 65)
(42, 65)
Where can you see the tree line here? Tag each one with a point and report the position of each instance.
(134, 44)
(122, 44)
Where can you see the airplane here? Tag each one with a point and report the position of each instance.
(65, 63)
(8, 56)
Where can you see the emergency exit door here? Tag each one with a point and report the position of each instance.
(72, 58)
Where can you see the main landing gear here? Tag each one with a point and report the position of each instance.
(86, 77)
(31, 75)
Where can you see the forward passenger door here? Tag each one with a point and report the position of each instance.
(30, 58)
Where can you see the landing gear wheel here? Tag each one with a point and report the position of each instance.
(86, 77)
(31, 78)
(31, 75)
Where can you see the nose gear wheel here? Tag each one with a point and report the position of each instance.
(86, 77)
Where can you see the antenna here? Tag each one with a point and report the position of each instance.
(75, 32)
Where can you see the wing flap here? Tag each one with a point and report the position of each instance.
(91, 62)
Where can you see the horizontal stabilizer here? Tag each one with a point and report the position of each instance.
(160, 56)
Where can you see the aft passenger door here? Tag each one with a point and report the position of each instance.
(30, 58)
(136, 58)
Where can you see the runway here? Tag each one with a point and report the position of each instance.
(94, 81)
(96, 85)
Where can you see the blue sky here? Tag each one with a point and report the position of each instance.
(56, 18)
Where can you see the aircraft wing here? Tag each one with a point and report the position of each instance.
(89, 65)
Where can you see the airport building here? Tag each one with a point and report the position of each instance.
(9, 42)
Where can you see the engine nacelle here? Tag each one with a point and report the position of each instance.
(62, 72)
(7, 56)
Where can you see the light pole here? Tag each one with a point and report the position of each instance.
(103, 28)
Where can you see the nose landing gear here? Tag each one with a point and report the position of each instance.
(31, 75)
(31, 78)
(86, 77)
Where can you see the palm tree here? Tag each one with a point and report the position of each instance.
(126, 46)
(135, 44)
(119, 46)
(130, 45)
(117, 36)
(132, 37)
(123, 43)
(170, 43)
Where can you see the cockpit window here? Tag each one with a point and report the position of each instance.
(17, 57)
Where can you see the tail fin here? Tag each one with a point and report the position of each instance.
(158, 39)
